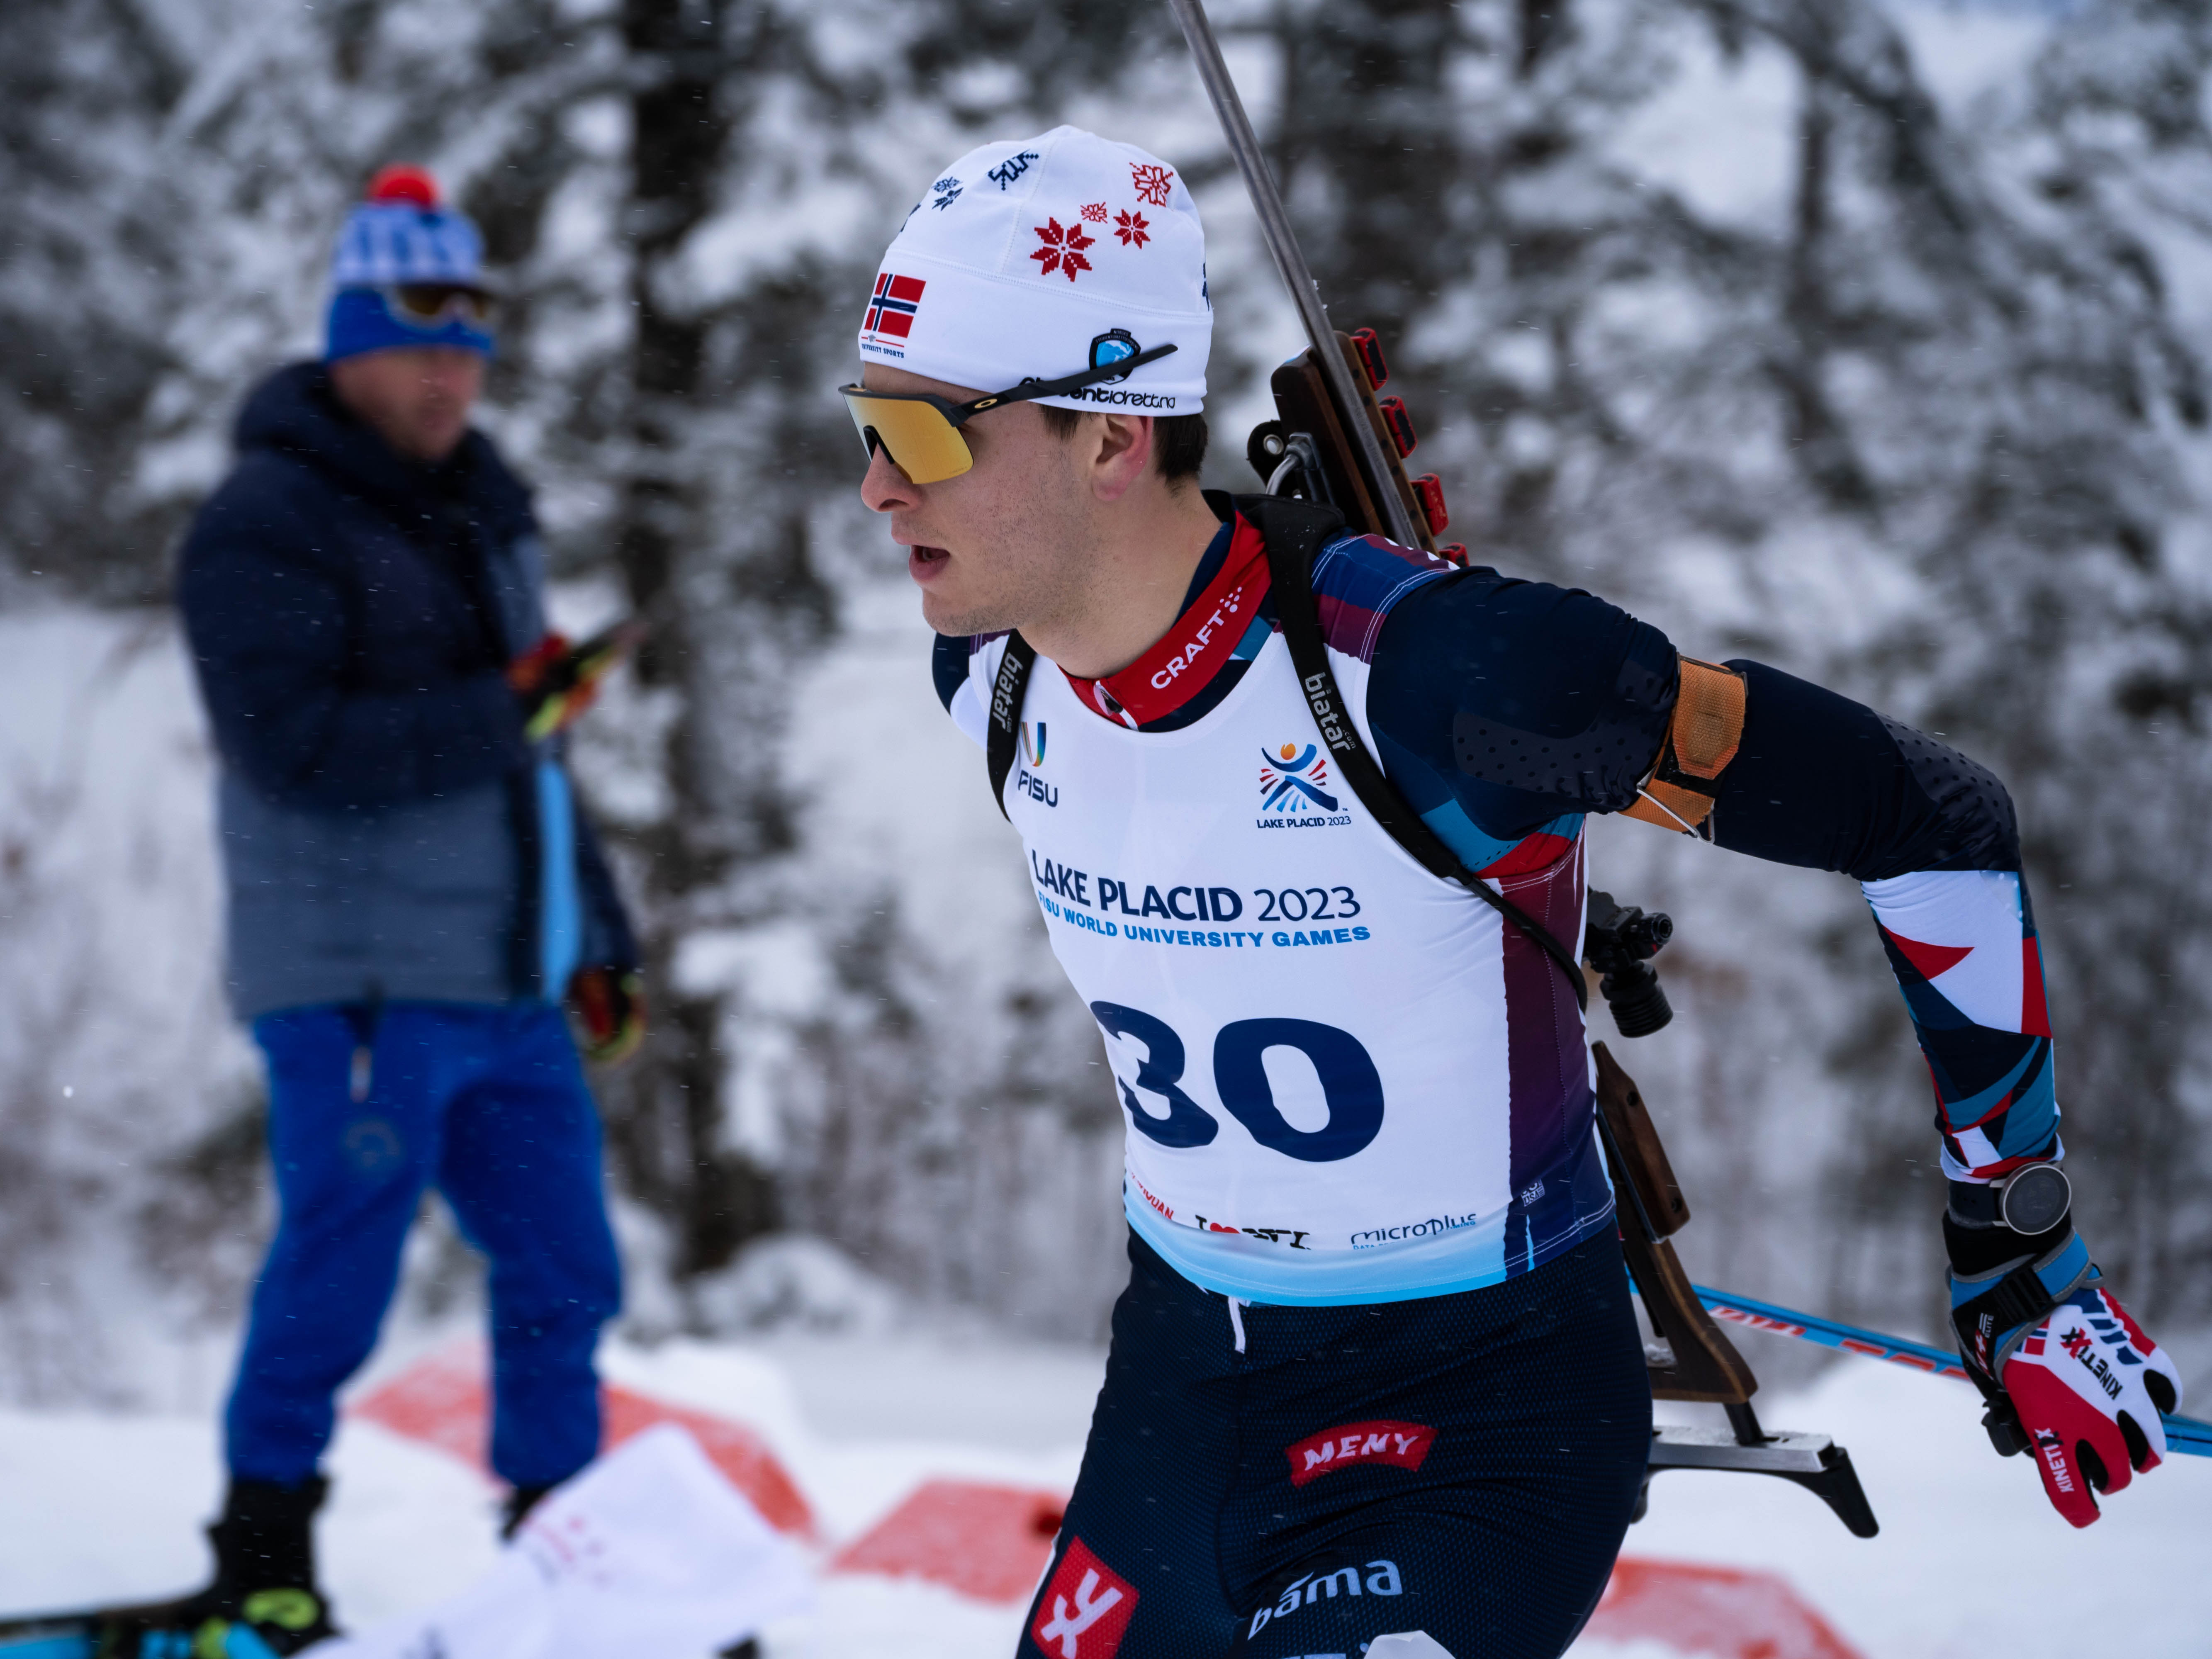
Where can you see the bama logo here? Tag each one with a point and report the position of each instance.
(1404, 1445)
(1085, 1611)
(1381, 1579)
(1291, 782)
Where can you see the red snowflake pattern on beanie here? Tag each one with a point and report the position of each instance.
(1152, 181)
(1094, 211)
(1131, 228)
(1063, 249)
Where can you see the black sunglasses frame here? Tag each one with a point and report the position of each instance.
(957, 414)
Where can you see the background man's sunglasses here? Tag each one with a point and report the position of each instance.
(921, 431)
(433, 305)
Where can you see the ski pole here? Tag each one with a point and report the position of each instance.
(2182, 1434)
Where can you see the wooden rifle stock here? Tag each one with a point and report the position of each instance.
(1306, 404)
(1701, 1363)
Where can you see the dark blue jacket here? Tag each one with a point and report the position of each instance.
(350, 614)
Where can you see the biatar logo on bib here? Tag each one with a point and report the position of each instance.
(1291, 791)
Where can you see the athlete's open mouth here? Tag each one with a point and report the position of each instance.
(924, 561)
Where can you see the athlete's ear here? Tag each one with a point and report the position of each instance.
(1121, 454)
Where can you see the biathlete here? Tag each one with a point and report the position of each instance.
(1376, 1385)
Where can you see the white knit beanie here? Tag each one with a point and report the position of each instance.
(1040, 259)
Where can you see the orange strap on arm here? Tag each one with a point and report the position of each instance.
(1702, 739)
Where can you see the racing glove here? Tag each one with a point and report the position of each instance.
(556, 681)
(609, 1005)
(2065, 1371)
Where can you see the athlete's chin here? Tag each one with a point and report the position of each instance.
(957, 615)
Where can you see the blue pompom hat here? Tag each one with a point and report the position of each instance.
(402, 233)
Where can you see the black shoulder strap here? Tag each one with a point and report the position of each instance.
(1006, 693)
(1294, 532)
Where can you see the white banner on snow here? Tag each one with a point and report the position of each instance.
(649, 1550)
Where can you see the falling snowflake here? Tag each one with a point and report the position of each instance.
(1152, 181)
(1063, 249)
(1094, 211)
(1132, 228)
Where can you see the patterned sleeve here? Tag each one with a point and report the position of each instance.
(1504, 710)
(1930, 834)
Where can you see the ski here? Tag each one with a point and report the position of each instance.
(49, 1636)
(2182, 1434)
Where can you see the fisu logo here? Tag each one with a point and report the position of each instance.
(1026, 780)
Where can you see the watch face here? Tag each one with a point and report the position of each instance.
(2035, 1200)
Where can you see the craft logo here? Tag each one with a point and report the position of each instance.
(1291, 782)
(891, 308)
(1062, 250)
(1402, 1445)
(1085, 1611)
(1151, 181)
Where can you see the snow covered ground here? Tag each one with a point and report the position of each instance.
(1970, 1561)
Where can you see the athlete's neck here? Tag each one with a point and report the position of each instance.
(1136, 575)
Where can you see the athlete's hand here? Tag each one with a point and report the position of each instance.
(2089, 1386)
(556, 681)
(609, 1003)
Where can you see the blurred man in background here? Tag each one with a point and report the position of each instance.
(412, 893)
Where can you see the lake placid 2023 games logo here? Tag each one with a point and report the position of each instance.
(1292, 789)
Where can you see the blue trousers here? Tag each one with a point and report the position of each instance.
(489, 1104)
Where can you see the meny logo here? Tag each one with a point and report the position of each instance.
(1402, 1444)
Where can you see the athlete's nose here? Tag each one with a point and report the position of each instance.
(886, 487)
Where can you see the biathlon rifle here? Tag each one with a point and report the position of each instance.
(1336, 442)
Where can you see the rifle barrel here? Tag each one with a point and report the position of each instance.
(1275, 230)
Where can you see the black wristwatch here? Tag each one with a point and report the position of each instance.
(2031, 1200)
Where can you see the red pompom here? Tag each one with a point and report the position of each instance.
(402, 182)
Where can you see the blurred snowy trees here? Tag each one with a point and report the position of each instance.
(1862, 340)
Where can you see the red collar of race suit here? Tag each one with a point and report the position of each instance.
(1202, 642)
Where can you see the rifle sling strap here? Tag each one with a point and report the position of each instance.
(1295, 532)
(1005, 729)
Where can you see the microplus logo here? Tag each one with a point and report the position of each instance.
(1402, 1444)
